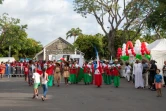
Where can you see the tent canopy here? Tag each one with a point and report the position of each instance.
(158, 52)
(158, 45)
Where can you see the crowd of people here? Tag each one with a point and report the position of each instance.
(48, 73)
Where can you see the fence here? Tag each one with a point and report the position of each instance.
(17, 71)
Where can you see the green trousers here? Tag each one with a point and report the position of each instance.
(73, 78)
(104, 77)
(51, 80)
(87, 78)
(80, 75)
(108, 79)
(116, 81)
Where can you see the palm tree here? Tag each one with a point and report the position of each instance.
(73, 33)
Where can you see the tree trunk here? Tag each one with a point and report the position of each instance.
(111, 43)
(74, 39)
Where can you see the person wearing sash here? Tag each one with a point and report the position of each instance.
(57, 74)
(73, 73)
(98, 76)
(116, 73)
(92, 72)
(128, 71)
(103, 71)
(87, 80)
(66, 72)
(108, 73)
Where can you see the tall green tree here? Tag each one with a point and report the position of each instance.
(132, 16)
(157, 20)
(86, 44)
(14, 35)
(11, 30)
(73, 33)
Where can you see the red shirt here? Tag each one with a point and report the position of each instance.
(115, 71)
(86, 69)
(73, 70)
(107, 70)
(26, 70)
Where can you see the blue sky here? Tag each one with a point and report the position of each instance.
(49, 19)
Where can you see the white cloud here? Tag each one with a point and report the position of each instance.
(48, 19)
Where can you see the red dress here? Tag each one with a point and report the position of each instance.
(98, 76)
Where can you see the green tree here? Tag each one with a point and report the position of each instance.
(86, 44)
(14, 35)
(119, 41)
(1, 1)
(11, 30)
(73, 33)
(157, 20)
(30, 48)
(133, 17)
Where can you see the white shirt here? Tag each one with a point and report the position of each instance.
(36, 77)
(44, 80)
(128, 67)
(77, 65)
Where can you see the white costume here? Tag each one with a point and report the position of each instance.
(128, 72)
(137, 71)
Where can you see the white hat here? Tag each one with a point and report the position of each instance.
(116, 60)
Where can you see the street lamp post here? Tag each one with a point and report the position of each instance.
(9, 50)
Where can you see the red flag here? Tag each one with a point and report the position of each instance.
(39, 71)
(49, 70)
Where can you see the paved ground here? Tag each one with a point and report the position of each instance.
(15, 95)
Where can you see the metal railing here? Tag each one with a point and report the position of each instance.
(17, 71)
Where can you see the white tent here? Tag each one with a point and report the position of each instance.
(158, 52)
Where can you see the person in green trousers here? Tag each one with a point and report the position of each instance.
(104, 72)
(73, 73)
(87, 75)
(116, 73)
(108, 73)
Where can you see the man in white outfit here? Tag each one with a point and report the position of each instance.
(128, 71)
(137, 71)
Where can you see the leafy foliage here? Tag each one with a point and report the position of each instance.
(86, 44)
(73, 33)
(133, 15)
(1, 1)
(13, 34)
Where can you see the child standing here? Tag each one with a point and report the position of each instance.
(26, 72)
(36, 79)
(158, 82)
(44, 80)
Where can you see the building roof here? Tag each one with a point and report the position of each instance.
(60, 38)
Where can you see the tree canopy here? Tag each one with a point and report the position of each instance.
(86, 44)
(73, 33)
(13, 34)
(131, 15)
